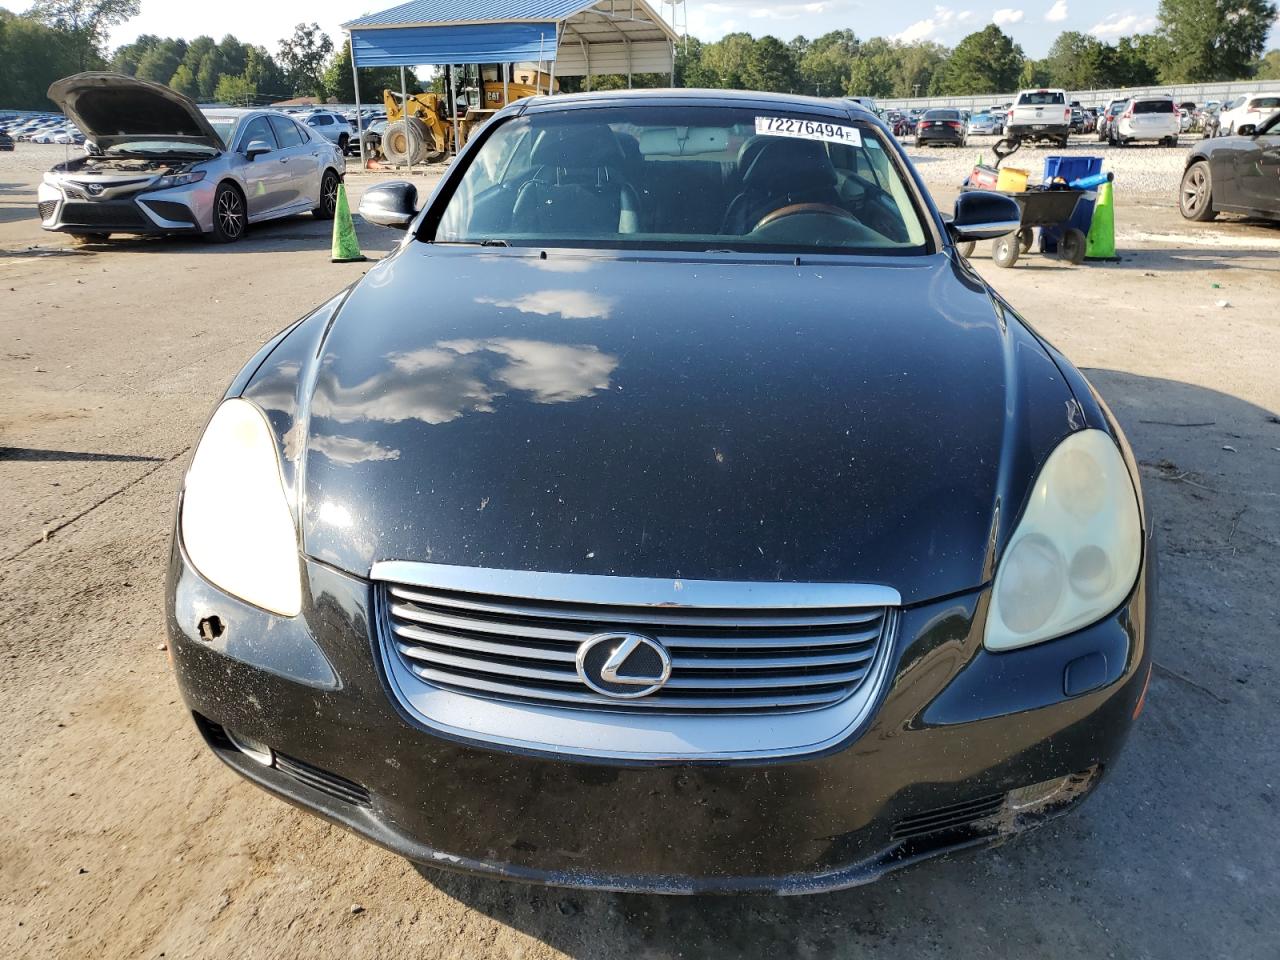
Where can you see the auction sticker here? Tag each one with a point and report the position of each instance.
(808, 130)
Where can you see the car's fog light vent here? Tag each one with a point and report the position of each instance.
(47, 209)
(723, 658)
(335, 786)
(948, 817)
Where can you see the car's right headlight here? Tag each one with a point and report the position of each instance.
(236, 524)
(1075, 554)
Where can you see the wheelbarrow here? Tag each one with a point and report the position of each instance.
(1040, 207)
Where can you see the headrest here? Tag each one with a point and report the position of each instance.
(574, 145)
(787, 160)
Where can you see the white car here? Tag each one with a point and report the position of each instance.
(332, 126)
(1252, 109)
(1147, 118)
(159, 165)
(1042, 114)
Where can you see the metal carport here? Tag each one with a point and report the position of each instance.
(579, 38)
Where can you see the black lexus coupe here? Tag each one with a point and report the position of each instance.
(674, 510)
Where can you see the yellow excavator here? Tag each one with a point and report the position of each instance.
(420, 127)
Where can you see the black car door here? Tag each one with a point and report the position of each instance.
(1258, 168)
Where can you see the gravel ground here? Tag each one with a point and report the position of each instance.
(123, 838)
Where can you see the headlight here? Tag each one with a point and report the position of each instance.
(236, 523)
(1075, 555)
(178, 180)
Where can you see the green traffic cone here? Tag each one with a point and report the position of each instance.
(346, 248)
(1101, 243)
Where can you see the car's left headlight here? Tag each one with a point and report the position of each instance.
(1075, 554)
(178, 180)
(236, 524)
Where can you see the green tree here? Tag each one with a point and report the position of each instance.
(915, 65)
(261, 69)
(235, 91)
(1134, 61)
(1207, 40)
(125, 59)
(303, 56)
(690, 70)
(32, 56)
(161, 62)
(1269, 66)
(85, 22)
(770, 66)
(984, 62)
(824, 64)
(725, 61)
(184, 82)
(1078, 61)
(1034, 73)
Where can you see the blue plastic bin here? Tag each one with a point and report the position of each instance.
(1070, 169)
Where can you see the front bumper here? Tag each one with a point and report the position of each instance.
(154, 212)
(957, 730)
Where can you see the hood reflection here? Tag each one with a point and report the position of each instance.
(568, 304)
(450, 378)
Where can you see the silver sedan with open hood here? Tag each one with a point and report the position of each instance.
(155, 163)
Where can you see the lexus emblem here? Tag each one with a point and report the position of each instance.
(624, 666)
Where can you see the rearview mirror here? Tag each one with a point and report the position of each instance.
(256, 149)
(983, 215)
(1246, 129)
(393, 204)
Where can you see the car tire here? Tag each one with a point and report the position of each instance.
(328, 205)
(1071, 246)
(1004, 250)
(1195, 195)
(230, 216)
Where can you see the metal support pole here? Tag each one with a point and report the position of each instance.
(355, 80)
(506, 90)
(453, 99)
(408, 154)
(551, 78)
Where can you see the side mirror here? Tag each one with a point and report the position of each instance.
(393, 204)
(1247, 130)
(983, 215)
(256, 149)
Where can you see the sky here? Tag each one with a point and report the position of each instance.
(1034, 24)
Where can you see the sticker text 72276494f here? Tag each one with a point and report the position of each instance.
(809, 130)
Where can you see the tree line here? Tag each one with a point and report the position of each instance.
(1195, 41)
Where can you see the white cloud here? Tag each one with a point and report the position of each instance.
(942, 19)
(1006, 15)
(1057, 13)
(787, 13)
(1122, 24)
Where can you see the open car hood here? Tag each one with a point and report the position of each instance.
(111, 109)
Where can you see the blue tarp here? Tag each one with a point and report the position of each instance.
(467, 43)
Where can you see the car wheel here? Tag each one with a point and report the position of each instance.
(1195, 200)
(1173, 142)
(1004, 250)
(966, 247)
(328, 197)
(229, 216)
(1071, 246)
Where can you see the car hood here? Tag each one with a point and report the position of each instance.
(654, 417)
(111, 109)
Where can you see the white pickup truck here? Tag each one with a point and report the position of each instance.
(1040, 115)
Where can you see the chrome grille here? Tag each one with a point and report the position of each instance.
(756, 660)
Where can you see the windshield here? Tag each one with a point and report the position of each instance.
(685, 177)
(942, 115)
(224, 127)
(1153, 106)
(1266, 103)
(1041, 98)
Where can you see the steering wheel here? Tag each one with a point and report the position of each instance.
(795, 209)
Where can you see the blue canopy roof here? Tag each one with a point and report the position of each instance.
(422, 13)
(462, 43)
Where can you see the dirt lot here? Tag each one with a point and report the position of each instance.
(122, 837)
